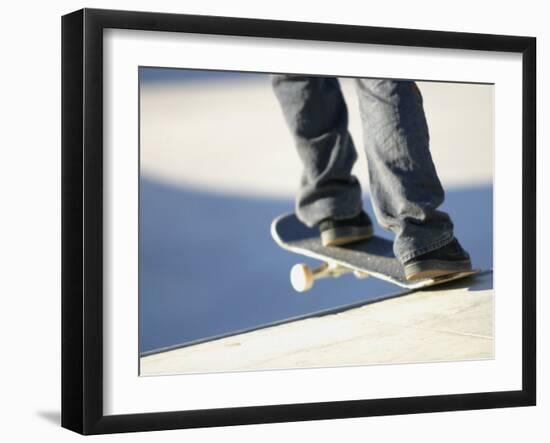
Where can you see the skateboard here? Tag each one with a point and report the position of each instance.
(373, 257)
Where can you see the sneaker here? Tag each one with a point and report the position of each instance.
(448, 259)
(349, 230)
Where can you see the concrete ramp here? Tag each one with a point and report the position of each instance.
(444, 323)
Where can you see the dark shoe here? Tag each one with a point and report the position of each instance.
(341, 232)
(448, 259)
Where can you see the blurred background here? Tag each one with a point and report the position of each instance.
(217, 164)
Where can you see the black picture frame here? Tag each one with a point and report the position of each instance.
(82, 218)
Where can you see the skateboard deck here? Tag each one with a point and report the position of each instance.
(373, 257)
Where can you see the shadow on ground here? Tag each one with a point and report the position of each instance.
(53, 417)
(208, 265)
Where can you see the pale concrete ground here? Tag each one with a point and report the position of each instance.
(244, 146)
(451, 323)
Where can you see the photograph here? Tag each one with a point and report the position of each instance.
(298, 221)
(269, 221)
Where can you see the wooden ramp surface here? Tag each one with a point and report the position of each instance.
(442, 323)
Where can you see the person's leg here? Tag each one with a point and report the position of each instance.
(405, 189)
(316, 114)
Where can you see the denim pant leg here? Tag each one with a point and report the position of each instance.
(316, 113)
(405, 189)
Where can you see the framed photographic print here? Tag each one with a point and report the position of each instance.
(229, 184)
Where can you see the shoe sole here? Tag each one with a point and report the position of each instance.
(345, 235)
(435, 268)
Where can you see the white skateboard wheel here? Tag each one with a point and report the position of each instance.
(301, 277)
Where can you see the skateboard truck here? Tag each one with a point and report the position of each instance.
(302, 276)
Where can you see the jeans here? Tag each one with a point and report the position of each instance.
(405, 189)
